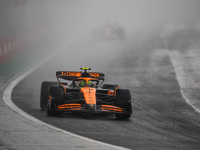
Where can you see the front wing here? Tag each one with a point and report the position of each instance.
(90, 108)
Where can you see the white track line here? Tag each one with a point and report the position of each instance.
(7, 99)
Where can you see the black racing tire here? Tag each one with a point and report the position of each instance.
(110, 86)
(44, 93)
(123, 100)
(57, 96)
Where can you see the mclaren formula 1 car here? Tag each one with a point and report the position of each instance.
(109, 32)
(83, 92)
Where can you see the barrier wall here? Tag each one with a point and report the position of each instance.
(15, 45)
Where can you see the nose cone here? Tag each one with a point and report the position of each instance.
(89, 94)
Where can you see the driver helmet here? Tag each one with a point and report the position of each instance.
(83, 83)
(89, 83)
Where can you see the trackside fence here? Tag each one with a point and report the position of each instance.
(17, 44)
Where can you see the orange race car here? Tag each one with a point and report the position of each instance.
(82, 92)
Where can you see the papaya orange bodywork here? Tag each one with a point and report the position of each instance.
(111, 108)
(116, 90)
(63, 88)
(78, 74)
(49, 98)
(111, 93)
(69, 107)
(71, 74)
(87, 79)
(89, 95)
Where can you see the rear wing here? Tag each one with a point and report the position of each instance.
(71, 75)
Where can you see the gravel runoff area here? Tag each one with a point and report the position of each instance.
(187, 68)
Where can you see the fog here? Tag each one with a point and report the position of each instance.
(134, 15)
(139, 16)
(67, 20)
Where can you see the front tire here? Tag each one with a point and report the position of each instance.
(57, 95)
(44, 93)
(123, 100)
(57, 98)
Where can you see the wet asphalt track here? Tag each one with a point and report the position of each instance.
(161, 118)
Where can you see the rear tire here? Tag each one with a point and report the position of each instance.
(123, 100)
(44, 93)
